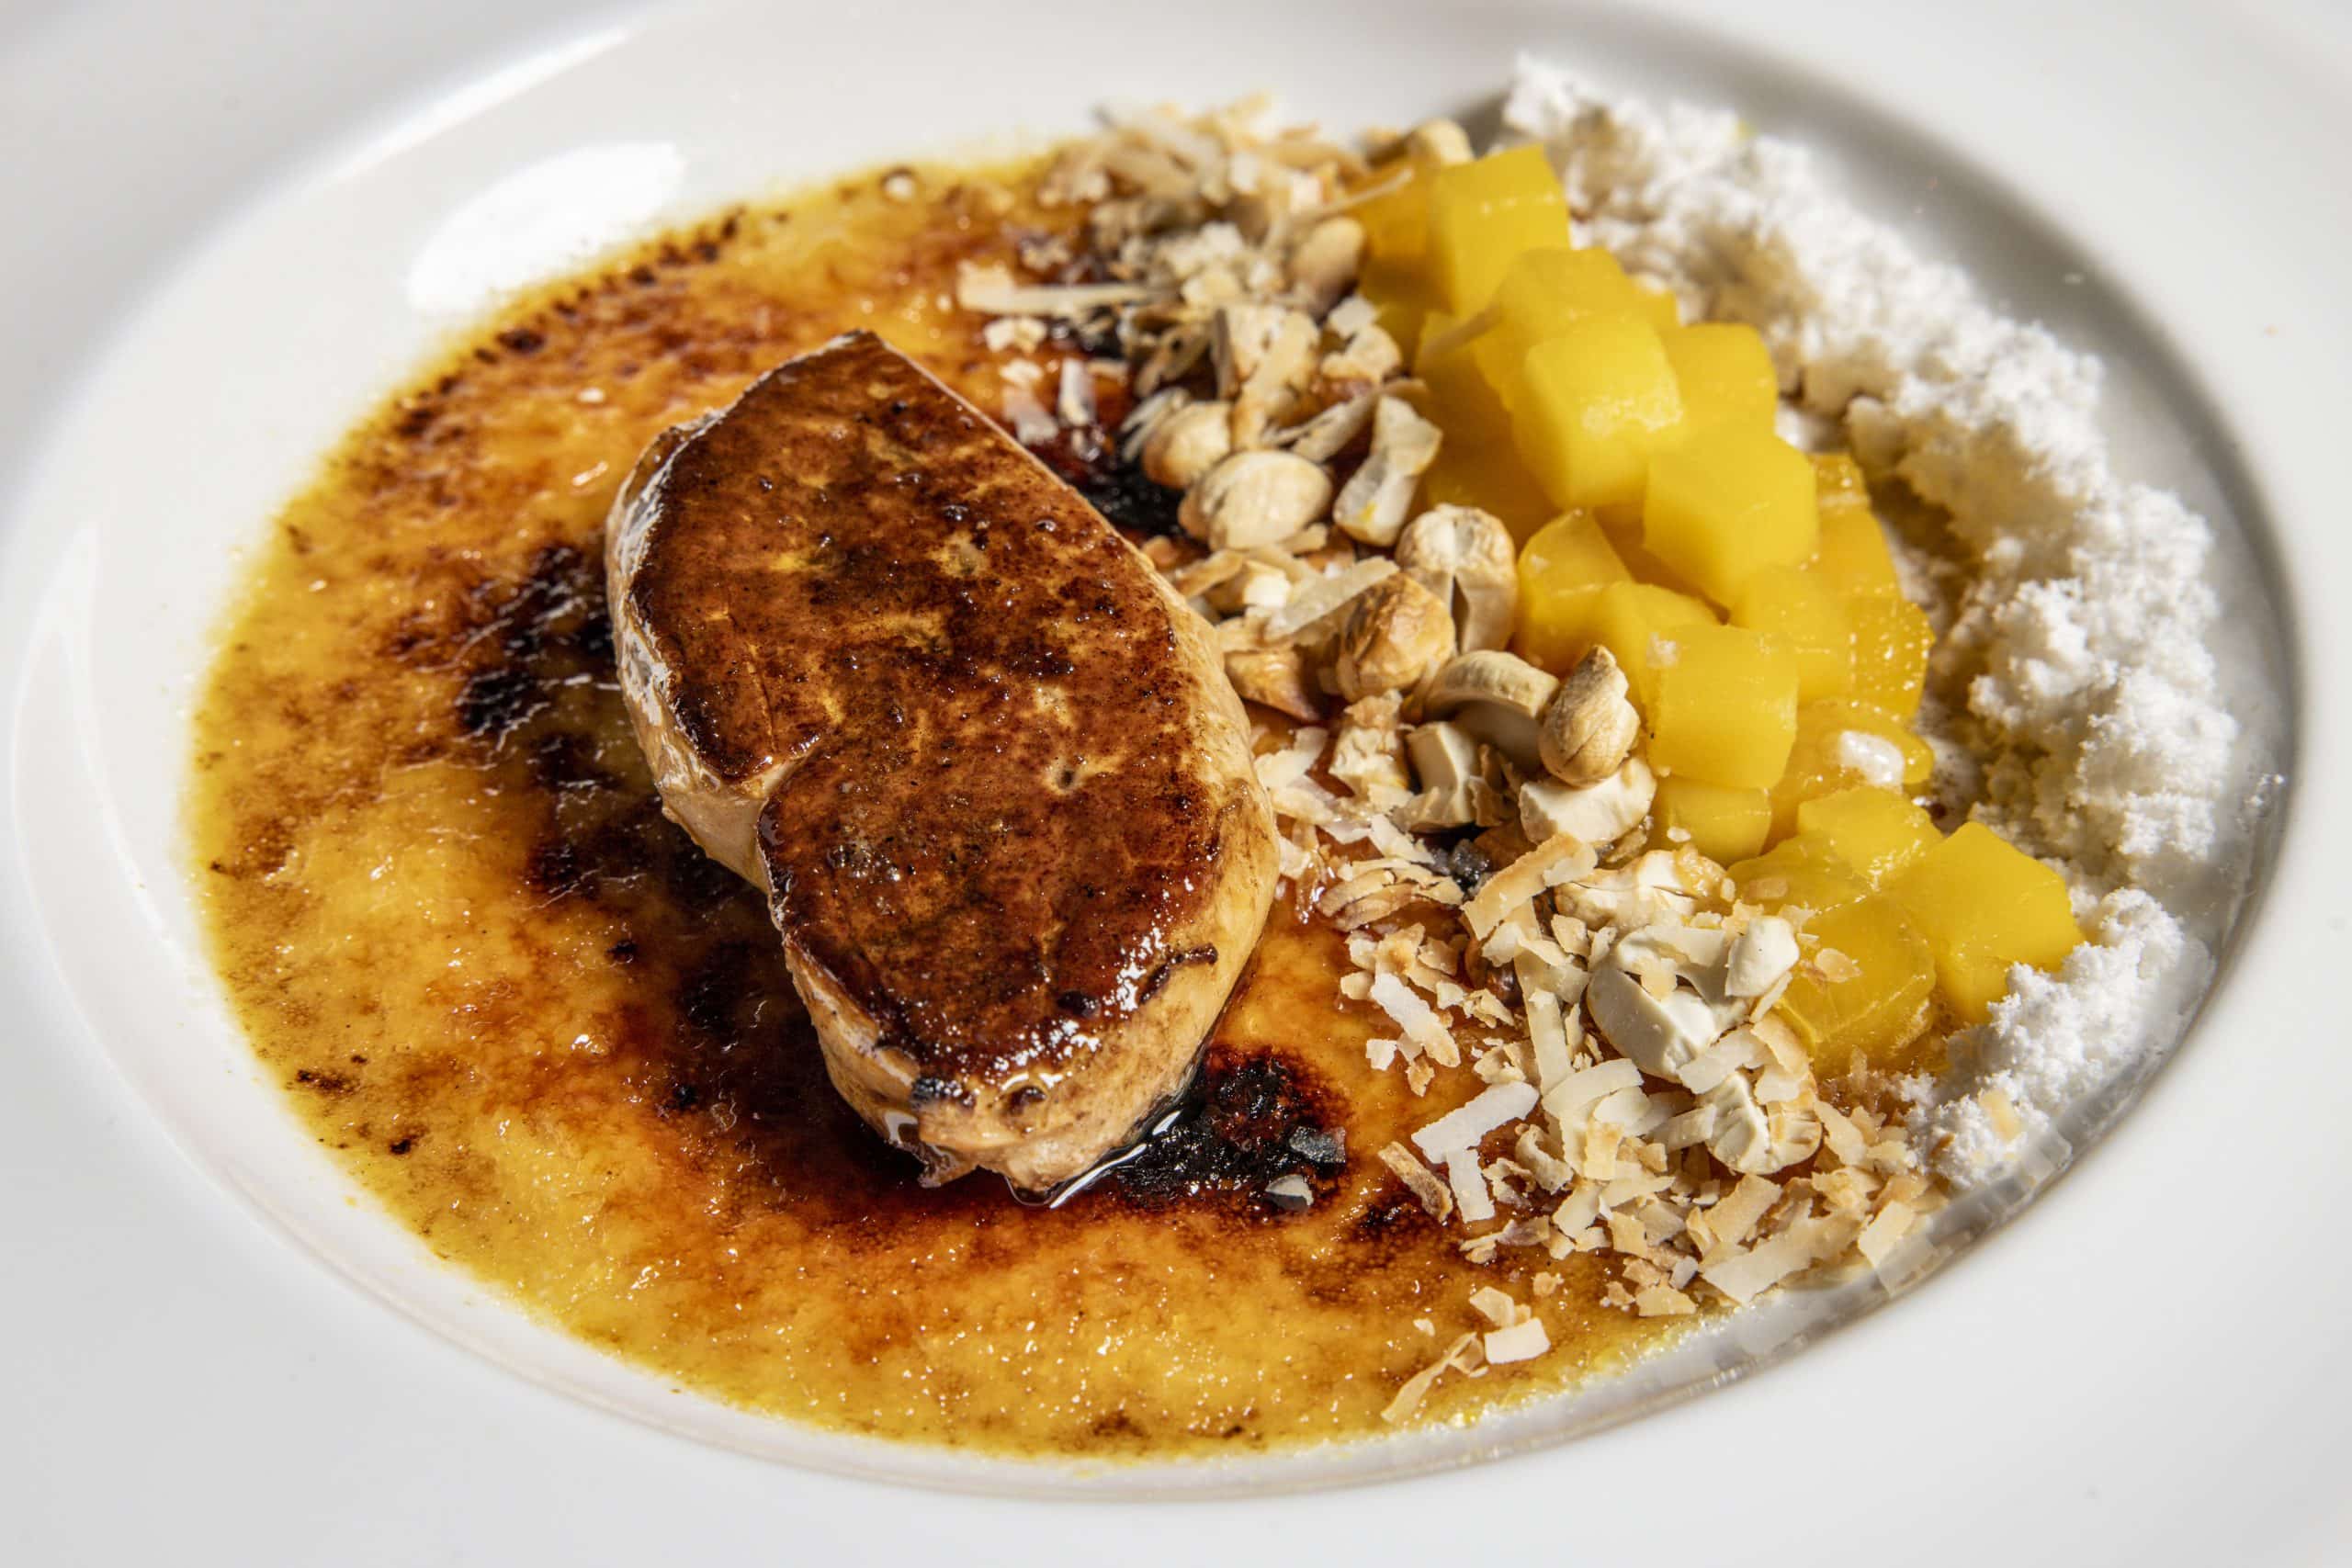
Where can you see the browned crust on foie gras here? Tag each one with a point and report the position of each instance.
(889, 667)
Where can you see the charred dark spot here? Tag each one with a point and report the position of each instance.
(685, 1096)
(1077, 1004)
(557, 871)
(494, 702)
(522, 340)
(929, 1090)
(623, 951)
(402, 1144)
(324, 1082)
(1242, 1132)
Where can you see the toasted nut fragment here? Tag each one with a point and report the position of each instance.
(1373, 506)
(1254, 498)
(1284, 367)
(1321, 438)
(1591, 726)
(1323, 267)
(1277, 677)
(1598, 813)
(1367, 359)
(1395, 632)
(1465, 558)
(1440, 141)
(1187, 444)
(1496, 697)
(1445, 764)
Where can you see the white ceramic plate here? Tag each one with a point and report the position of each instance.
(232, 229)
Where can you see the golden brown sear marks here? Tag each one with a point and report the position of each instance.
(993, 797)
(558, 1041)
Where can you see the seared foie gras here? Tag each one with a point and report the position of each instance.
(984, 762)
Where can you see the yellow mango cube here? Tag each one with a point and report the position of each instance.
(1838, 480)
(1985, 905)
(1458, 398)
(1542, 294)
(1725, 375)
(1805, 615)
(1727, 504)
(1876, 1008)
(1891, 641)
(1803, 872)
(1875, 831)
(1726, 707)
(1658, 308)
(1596, 401)
(1629, 616)
(1724, 825)
(1483, 215)
(1841, 745)
(1491, 478)
(1563, 571)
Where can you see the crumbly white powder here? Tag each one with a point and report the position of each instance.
(2091, 733)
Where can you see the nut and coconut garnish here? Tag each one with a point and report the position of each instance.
(1589, 1001)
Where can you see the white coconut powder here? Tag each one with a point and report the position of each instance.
(2077, 634)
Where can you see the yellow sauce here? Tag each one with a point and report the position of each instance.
(557, 1042)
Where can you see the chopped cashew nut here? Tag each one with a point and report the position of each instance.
(1187, 444)
(1589, 726)
(1254, 498)
(1445, 761)
(1495, 697)
(1466, 559)
(1373, 506)
(1598, 813)
(1760, 954)
(1395, 632)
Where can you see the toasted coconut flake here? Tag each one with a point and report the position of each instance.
(1887, 1228)
(1521, 1342)
(1463, 1127)
(2001, 1111)
(1664, 1301)
(1419, 1180)
(990, 290)
(1496, 1306)
(1555, 861)
(1321, 596)
(1470, 1197)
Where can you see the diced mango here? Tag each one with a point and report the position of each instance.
(1804, 872)
(1724, 825)
(1852, 556)
(1491, 478)
(1597, 400)
(1875, 831)
(1985, 905)
(1726, 707)
(1838, 480)
(1891, 641)
(1458, 398)
(1542, 294)
(1841, 745)
(1800, 612)
(1483, 215)
(1727, 504)
(1400, 292)
(1563, 570)
(1658, 308)
(1725, 375)
(1629, 616)
(1877, 1008)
